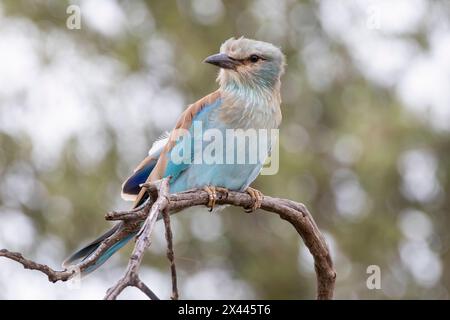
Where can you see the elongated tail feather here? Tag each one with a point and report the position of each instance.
(81, 254)
(107, 254)
(130, 190)
(89, 249)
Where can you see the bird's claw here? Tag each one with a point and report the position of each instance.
(212, 194)
(211, 191)
(223, 190)
(257, 197)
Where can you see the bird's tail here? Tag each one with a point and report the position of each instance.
(88, 250)
(140, 197)
(131, 190)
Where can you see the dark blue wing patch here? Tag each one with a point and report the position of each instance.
(132, 185)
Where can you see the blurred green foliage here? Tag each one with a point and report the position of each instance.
(349, 134)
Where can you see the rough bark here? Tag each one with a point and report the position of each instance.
(144, 218)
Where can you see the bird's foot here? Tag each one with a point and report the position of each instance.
(257, 197)
(212, 194)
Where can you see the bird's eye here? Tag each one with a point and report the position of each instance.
(254, 58)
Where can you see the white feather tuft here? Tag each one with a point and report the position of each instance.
(159, 144)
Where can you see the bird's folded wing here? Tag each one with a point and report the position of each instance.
(154, 167)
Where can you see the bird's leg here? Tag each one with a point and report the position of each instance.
(257, 198)
(212, 194)
(211, 190)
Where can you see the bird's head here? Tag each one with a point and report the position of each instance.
(249, 63)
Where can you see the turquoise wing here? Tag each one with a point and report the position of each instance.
(182, 154)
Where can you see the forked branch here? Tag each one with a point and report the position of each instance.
(145, 217)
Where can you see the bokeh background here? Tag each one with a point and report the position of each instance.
(365, 142)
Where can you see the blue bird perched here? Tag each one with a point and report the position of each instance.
(248, 98)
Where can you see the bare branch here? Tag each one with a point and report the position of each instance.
(131, 277)
(140, 285)
(53, 276)
(295, 213)
(170, 254)
(132, 221)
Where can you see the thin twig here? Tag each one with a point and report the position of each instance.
(131, 277)
(170, 254)
(142, 286)
(53, 275)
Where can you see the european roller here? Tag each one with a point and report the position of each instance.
(248, 98)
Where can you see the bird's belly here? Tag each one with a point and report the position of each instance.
(230, 176)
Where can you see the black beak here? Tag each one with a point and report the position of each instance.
(222, 60)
